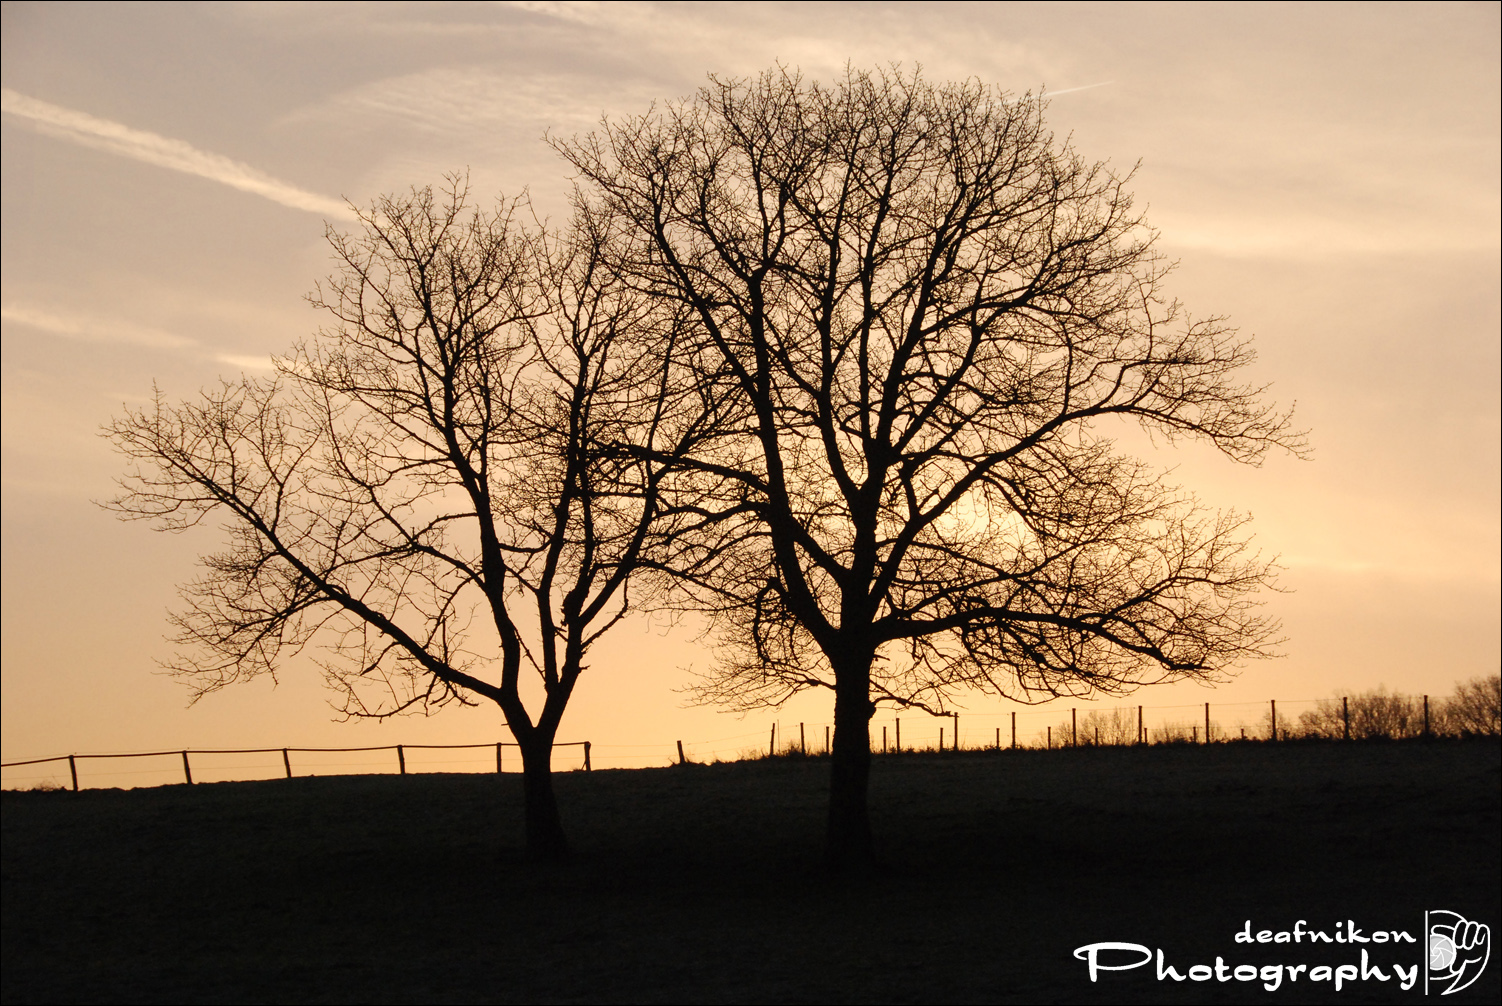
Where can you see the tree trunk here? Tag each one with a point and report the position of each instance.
(545, 838)
(849, 840)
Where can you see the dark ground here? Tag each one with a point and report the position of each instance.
(701, 884)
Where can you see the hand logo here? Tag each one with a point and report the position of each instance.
(1458, 950)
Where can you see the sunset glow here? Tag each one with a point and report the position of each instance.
(1326, 179)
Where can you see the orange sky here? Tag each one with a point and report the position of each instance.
(1326, 177)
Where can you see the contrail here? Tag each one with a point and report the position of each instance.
(102, 134)
(1071, 90)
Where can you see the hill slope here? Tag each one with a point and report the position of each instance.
(700, 883)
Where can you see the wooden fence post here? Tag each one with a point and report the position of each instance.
(1050, 737)
(941, 738)
(1141, 734)
(498, 757)
(681, 760)
(827, 749)
(1274, 718)
(187, 770)
(73, 770)
(586, 756)
(998, 738)
(401, 760)
(772, 742)
(1074, 728)
(1345, 717)
(898, 720)
(1426, 716)
(883, 740)
(1207, 723)
(1014, 730)
(956, 731)
(287, 763)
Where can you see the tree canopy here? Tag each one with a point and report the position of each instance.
(848, 364)
(433, 452)
(932, 316)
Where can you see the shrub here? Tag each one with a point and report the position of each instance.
(1374, 715)
(1102, 727)
(1475, 709)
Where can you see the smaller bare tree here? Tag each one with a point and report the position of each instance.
(1476, 708)
(1286, 728)
(1373, 715)
(433, 453)
(1326, 721)
(1108, 727)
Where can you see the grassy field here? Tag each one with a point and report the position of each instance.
(701, 883)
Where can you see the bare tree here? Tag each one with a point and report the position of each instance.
(1373, 715)
(432, 453)
(1474, 710)
(1384, 714)
(1099, 727)
(934, 318)
(1476, 707)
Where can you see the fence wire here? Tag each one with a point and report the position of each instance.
(1374, 714)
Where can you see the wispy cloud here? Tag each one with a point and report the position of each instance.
(583, 13)
(113, 330)
(92, 329)
(1296, 236)
(247, 362)
(469, 101)
(116, 138)
(1070, 90)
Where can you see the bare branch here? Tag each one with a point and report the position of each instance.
(454, 441)
(926, 315)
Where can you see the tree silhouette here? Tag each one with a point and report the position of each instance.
(1367, 716)
(433, 452)
(1476, 707)
(934, 318)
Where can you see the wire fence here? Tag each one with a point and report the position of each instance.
(1374, 714)
(243, 764)
(1054, 727)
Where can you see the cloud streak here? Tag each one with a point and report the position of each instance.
(247, 362)
(92, 329)
(1070, 90)
(176, 155)
(113, 330)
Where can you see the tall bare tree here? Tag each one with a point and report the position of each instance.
(432, 453)
(935, 318)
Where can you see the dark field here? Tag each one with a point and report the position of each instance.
(701, 883)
